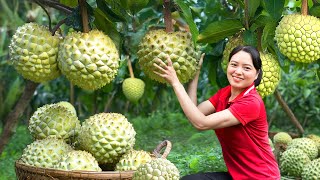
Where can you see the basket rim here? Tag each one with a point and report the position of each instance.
(73, 173)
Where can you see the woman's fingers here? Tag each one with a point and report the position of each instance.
(169, 61)
(162, 69)
(201, 60)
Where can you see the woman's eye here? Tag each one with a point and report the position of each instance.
(233, 64)
(247, 68)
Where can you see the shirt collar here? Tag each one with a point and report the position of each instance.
(243, 93)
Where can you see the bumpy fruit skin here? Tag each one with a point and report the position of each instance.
(133, 89)
(307, 145)
(54, 120)
(34, 51)
(233, 42)
(158, 44)
(132, 160)
(282, 137)
(312, 170)
(68, 106)
(298, 37)
(158, 168)
(88, 60)
(45, 152)
(78, 160)
(107, 136)
(316, 140)
(271, 74)
(293, 161)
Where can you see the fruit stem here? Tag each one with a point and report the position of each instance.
(130, 67)
(49, 18)
(56, 27)
(167, 16)
(304, 7)
(246, 13)
(55, 5)
(84, 15)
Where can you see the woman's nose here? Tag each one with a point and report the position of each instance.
(238, 70)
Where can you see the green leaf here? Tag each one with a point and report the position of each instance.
(186, 12)
(268, 34)
(104, 24)
(112, 9)
(71, 3)
(315, 11)
(306, 93)
(219, 30)
(13, 93)
(253, 6)
(274, 8)
(250, 38)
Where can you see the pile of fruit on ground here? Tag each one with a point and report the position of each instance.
(298, 158)
(101, 142)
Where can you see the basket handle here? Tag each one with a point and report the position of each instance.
(167, 144)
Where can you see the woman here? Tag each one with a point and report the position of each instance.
(236, 113)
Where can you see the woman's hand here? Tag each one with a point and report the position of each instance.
(167, 71)
(193, 84)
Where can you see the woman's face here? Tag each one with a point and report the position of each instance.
(241, 72)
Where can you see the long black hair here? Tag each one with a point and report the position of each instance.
(256, 60)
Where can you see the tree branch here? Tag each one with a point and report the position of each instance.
(286, 108)
(12, 118)
(55, 5)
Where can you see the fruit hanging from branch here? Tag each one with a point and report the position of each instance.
(132, 88)
(298, 36)
(160, 44)
(271, 74)
(34, 52)
(88, 60)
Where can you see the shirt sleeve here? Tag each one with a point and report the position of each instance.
(215, 98)
(246, 109)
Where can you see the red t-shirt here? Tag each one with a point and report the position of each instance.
(245, 147)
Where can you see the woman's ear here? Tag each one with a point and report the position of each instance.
(257, 75)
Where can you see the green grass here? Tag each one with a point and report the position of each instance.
(192, 151)
(13, 151)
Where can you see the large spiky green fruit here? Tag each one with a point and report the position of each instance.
(54, 120)
(307, 145)
(133, 89)
(68, 105)
(132, 160)
(293, 161)
(233, 42)
(45, 152)
(158, 168)
(298, 37)
(88, 60)
(159, 44)
(282, 137)
(107, 136)
(78, 160)
(34, 51)
(312, 170)
(316, 140)
(271, 74)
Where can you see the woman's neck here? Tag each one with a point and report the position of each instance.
(235, 92)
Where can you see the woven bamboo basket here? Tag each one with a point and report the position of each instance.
(27, 172)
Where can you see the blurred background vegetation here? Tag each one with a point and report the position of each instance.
(157, 116)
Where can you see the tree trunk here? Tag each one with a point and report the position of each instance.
(12, 118)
